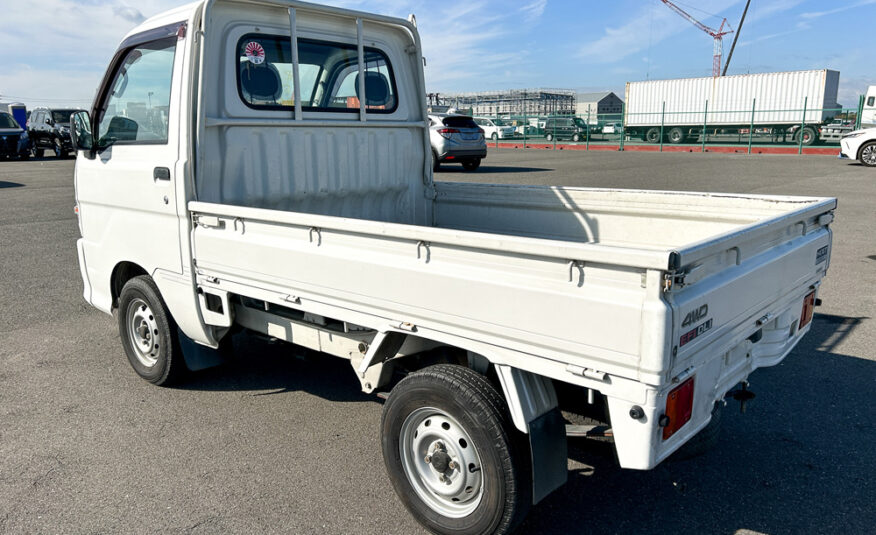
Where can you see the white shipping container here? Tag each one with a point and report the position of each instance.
(777, 98)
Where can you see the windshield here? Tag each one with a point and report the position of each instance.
(580, 122)
(500, 122)
(459, 121)
(62, 116)
(7, 121)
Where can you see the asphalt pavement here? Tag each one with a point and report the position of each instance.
(282, 441)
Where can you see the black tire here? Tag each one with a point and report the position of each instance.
(436, 164)
(809, 134)
(576, 138)
(703, 441)
(675, 135)
(163, 341)
(471, 165)
(38, 153)
(652, 135)
(495, 136)
(24, 155)
(549, 137)
(468, 398)
(867, 154)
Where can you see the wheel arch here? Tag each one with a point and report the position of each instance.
(121, 274)
(861, 148)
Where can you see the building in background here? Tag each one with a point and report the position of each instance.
(510, 103)
(595, 104)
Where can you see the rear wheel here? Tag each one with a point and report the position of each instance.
(471, 165)
(495, 136)
(436, 164)
(810, 136)
(451, 453)
(37, 153)
(652, 135)
(148, 333)
(676, 135)
(868, 154)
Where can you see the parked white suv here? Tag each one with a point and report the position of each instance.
(860, 145)
(495, 128)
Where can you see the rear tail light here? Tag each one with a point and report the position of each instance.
(447, 132)
(679, 406)
(481, 130)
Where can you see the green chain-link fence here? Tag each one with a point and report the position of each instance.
(746, 130)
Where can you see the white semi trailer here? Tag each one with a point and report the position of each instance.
(788, 104)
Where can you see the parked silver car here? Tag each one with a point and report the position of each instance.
(456, 138)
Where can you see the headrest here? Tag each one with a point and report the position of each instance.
(377, 90)
(260, 82)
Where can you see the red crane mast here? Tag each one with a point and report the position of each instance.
(717, 35)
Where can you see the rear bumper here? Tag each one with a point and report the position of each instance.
(459, 154)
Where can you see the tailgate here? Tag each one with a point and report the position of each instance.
(745, 282)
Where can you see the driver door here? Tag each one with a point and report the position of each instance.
(126, 194)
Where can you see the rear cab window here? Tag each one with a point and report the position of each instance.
(328, 75)
(459, 122)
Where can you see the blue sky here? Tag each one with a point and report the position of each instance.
(474, 45)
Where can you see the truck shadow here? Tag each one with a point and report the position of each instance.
(4, 184)
(498, 169)
(795, 462)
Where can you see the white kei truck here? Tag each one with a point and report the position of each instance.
(264, 165)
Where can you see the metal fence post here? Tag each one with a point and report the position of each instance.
(662, 122)
(623, 125)
(751, 128)
(555, 130)
(587, 133)
(497, 127)
(705, 122)
(860, 112)
(525, 122)
(802, 125)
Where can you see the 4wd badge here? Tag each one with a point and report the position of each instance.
(695, 315)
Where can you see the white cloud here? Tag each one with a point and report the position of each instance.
(649, 28)
(534, 9)
(818, 14)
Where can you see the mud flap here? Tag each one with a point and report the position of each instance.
(549, 450)
(198, 357)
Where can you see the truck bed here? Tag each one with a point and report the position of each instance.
(567, 274)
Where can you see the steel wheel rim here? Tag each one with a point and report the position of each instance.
(143, 332)
(430, 440)
(868, 155)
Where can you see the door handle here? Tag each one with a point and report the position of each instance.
(161, 173)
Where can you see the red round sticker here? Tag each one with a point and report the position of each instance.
(255, 53)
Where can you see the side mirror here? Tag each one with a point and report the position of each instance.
(80, 132)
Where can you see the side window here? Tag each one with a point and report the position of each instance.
(871, 101)
(328, 74)
(136, 108)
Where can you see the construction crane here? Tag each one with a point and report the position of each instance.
(717, 35)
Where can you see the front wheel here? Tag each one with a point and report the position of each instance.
(868, 154)
(549, 137)
(576, 138)
(471, 165)
(148, 333)
(495, 136)
(451, 454)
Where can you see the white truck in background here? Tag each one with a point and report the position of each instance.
(788, 104)
(278, 179)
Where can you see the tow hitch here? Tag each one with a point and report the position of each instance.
(742, 395)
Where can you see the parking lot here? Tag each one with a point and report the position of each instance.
(283, 442)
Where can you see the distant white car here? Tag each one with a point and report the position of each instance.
(611, 128)
(860, 145)
(495, 128)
